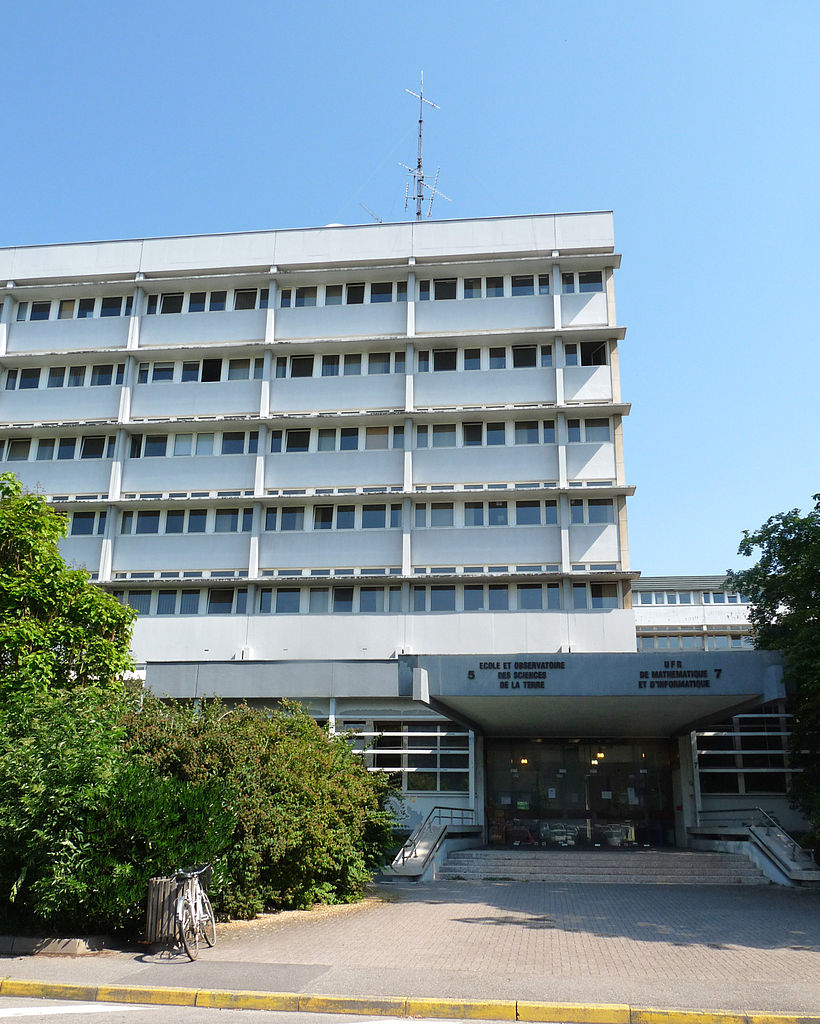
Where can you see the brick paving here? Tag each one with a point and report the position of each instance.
(683, 946)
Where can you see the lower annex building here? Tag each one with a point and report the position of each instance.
(380, 470)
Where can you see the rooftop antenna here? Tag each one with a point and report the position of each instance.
(372, 214)
(419, 184)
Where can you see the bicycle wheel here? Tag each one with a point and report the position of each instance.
(208, 922)
(188, 931)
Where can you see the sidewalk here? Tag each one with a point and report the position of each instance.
(739, 949)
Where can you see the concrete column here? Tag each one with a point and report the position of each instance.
(609, 287)
(253, 546)
(406, 544)
(411, 300)
(5, 318)
(264, 390)
(614, 370)
(270, 319)
(560, 362)
(564, 526)
(137, 311)
(555, 287)
(259, 465)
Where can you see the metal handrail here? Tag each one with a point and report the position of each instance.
(768, 824)
(433, 820)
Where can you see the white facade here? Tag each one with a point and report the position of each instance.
(369, 440)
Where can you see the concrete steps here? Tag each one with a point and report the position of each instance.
(659, 867)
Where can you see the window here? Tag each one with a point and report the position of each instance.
(530, 597)
(305, 297)
(473, 598)
(601, 510)
(218, 302)
(604, 595)
(524, 356)
(497, 513)
(40, 311)
(472, 434)
(45, 449)
(76, 376)
(594, 430)
(297, 440)
(204, 444)
(498, 597)
(239, 369)
(590, 281)
(111, 305)
(568, 283)
(522, 285)
(92, 448)
(140, 601)
(292, 518)
(373, 517)
(330, 366)
(472, 287)
(527, 513)
(444, 288)
(381, 291)
(66, 447)
(371, 599)
(474, 513)
(287, 600)
(442, 599)
(526, 432)
(472, 358)
(284, 298)
(543, 284)
(301, 366)
(546, 355)
(498, 358)
(29, 378)
(155, 445)
(496, 433)
(174, 521)
(322, 517)
(551, 513)
(147, 522)
(444, 435)
(378, 362)
(220, 602)
(353, 365)
(82, 524)
(197, 518)
(333, 295)
(441, 513)
(66, 309)
(424, 291)
(226, 520)
(349, 439)
(318, 600)
(355, 294)
(326, 440)
(343, 599)
(171, 303)
(233, 442)
(376, 438)
(444, 359)
(549, 431)
(189, 602)
(495, 287)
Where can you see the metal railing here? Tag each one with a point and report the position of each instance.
(770, 826)
(437, 819)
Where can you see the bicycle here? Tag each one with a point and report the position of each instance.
(194, 913)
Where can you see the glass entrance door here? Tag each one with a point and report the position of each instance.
(576, 794)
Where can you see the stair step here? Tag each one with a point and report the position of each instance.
(669, 867)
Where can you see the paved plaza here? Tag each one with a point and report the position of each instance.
(733, 948)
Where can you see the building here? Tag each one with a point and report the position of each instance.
(378, 469)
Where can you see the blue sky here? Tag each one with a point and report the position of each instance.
(696, 123)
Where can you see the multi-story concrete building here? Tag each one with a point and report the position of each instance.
(379, 469)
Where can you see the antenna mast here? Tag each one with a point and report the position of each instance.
(419, 184)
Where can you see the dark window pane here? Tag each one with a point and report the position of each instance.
(220, 602)
(527, 513)
(445, 288)
(349, 439)
(92, 448)
(189, 602)
(524, 355)
(82, 524)
(174, 521)
(218, 301)
(233, 442)
(495, 287)
(244, 299)
(498, 358)
(444, 359)
(499, 598)
(287, 600)
(166, 602)
(381, 291)
(355, 294)
(170, 303)
(111, 305)
(196, 302)
(378, 362)
(298, 440)
(147, 522)
(343, 599)
(496, 433)
(522, 284)
(197, 518)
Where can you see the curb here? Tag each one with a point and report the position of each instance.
(472, 1009)
(27, 945)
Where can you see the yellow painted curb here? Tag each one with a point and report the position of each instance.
(218, 999)
(377, 1006)
(650, 1015)
(46, 990)
(782, 1018)
(574, 1013)
(471, 1009)
(147, 994)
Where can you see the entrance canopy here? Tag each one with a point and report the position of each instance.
(614, 695)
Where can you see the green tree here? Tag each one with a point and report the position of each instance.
(784, 589)
(56, 628)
